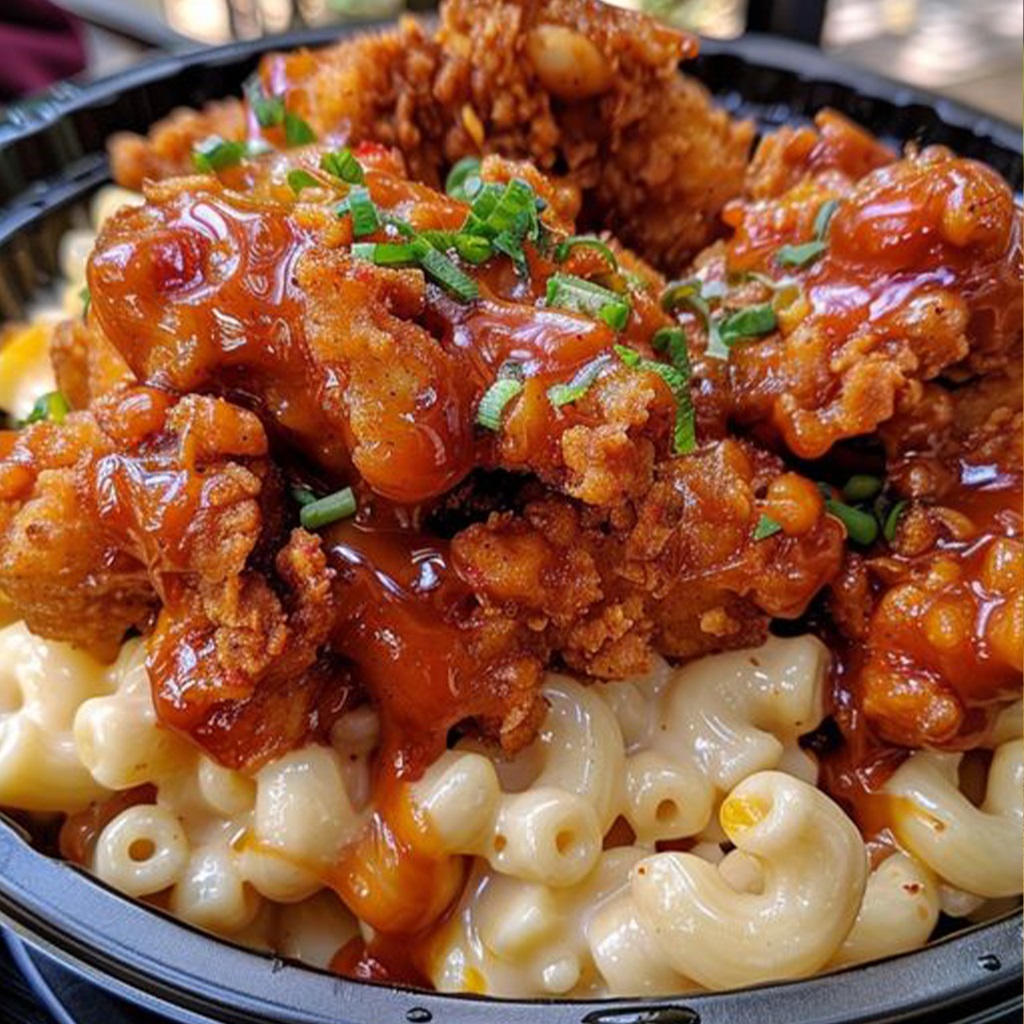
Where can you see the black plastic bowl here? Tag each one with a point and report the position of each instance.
(51, 159)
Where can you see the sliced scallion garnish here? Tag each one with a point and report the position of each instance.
(861, 526)
(463, 179)
(691, 293)
(892, 520)
(300, 179)
(579, 385)
(750, 322)
(269, 110)
(342, 164)
(564, 291)
(495, 399)
(766, 527)
(445, 273)
(296, 131)
(214, 154)
(331, 509)
(684, 437)
(807, 252)
(51, 407)
(86, 296)
(359, 205)
(861, 487)
(564, 248)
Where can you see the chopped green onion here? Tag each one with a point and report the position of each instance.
(799, 255)
(579, 385)
(342, 164)
(766, 527)
(269, 110)
(324, 511)
(574, 293)
(360, 206)
(824, 217)
(419, 252)
(672, 340)
(747, 323)
(808, 252)
(563, 249)
(471, 248)
(300, 179)
(52, 407)
(691, 292)
(518, 198)
(861, 487)
(861, 527)
(302, 495)
(459, 179)
(447, 274)
(86, 296)
(684, 436)
(296, 131)
(892, 520)
(214, 154)
(496, 397)
(403, 227)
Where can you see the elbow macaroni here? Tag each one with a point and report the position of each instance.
(707, 755)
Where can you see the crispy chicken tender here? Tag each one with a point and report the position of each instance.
(145, 502)
(577, 87)
(372, 372)
(941, 618)
(85, 364)
(680, 572)
(920, 275)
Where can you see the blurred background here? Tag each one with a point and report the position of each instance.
(968, 49)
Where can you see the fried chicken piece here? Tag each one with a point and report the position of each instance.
(577, 87)
(940, 619)
(59, 570)
(85, 364)
(680, 572)
(920, 275)
(373, 372)
(101, 513)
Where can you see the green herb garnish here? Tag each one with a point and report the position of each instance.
(808, 252)
(300, 179)
(579, 384)
(296, 131)
(684, 438)
(359, 205)
(463, 181)
(861, 487)
(766, 527)
(269, 110)
(693, 294)
(750, 322)
(86, 296)
(861, 526)
(892, 520)
(342, 164)
(215, 154)
(495, 398)
(331, 509)
(565, 291)
(51, 407)
(419, 252)
(564, 248)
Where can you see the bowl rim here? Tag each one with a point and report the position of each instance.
(70, 916)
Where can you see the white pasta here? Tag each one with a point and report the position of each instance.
(143, 851)
(42, 685)
(510, 937)
(977, 849)
(117, 736)
(898, 913)
(814, 871)
(656, 750)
